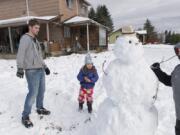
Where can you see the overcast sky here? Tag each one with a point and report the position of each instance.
(164, 14)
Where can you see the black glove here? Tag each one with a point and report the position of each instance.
(20, 73)
(47, 71)
(155, 66)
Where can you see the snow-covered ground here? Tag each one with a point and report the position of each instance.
(62, 92)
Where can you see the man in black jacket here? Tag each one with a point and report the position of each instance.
(173, 81)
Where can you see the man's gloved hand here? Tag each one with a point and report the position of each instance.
(47, 71)
(155, 66)
(20, 73)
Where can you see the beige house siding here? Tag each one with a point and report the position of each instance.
(12, 8)
(44, 7)
(82, 9)
(17, 8)
(56, 34)
(67, 12)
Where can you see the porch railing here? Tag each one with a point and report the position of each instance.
(4, 49)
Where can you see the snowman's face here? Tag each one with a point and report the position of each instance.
(128, 49)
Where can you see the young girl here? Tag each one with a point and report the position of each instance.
(87, 77)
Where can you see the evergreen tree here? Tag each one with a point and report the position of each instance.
(151, 34)
(92, 14)
(172, 38)
(166, 36)
(169, 37)
(103, 17)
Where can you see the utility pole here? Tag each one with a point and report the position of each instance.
(87, 26)
(27, 10)
(77, 7)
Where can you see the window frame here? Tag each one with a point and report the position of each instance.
(67, 32)
(70, 3)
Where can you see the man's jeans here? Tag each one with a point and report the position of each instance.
(36, 86)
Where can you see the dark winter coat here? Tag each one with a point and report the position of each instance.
(90, 74)
(172, 80)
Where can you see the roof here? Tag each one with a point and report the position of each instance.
(77, 19)
(24, 20)
(82, 20)
(141, 32)
(115, 31)
(87, 2)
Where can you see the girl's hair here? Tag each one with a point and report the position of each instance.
(85, 69)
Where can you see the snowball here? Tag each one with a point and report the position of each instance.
(128, 49)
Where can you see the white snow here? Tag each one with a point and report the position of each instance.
(77, 19)
(141, 32)
(25, 19)
(80, 19)
(62, 92)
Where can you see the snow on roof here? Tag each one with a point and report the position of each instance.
(80, 19)
(87, 2)
(77, 19)
(25, 19)
(141, 32)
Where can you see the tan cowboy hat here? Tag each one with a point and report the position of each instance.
(127, 30)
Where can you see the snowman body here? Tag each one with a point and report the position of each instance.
(130, 86)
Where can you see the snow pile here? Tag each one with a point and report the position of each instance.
(128, 50)
(130, 86)
(63, 89)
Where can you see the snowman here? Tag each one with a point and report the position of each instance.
(130, 85)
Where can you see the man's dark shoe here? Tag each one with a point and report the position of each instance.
(43, 111)
(27, 122)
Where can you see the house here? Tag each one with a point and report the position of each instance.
(141, 35)
(114, 35)
(64, 24)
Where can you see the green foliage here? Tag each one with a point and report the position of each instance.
(92, 14)
(171, 38)
(102, 16)
(151, 33)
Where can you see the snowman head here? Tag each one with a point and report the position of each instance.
(128, 49)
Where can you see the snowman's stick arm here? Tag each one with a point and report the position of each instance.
(167, 59)
(103, 67)
(157, 90)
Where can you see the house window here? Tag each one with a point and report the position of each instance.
(67, 32)
(102, 37)
(69, 3)
(84, 11)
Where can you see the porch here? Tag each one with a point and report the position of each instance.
(12, 29)
(84, 34)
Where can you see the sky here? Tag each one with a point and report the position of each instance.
(164, 14)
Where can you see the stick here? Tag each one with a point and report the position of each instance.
(167, 59)
(103, 68)
(157, 90)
